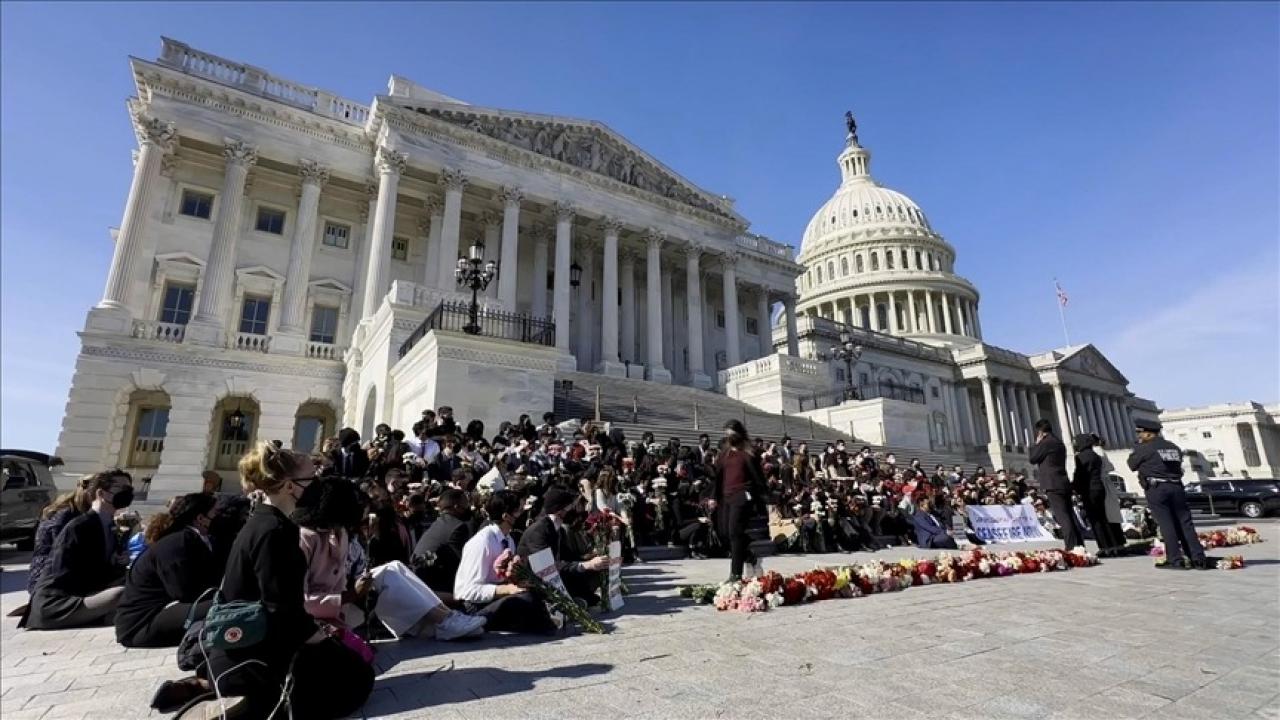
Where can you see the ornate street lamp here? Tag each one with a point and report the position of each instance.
(473, 272)
(849, 353)
(575, 274)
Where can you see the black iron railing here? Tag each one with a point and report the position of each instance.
(888, 390)
(456, 317)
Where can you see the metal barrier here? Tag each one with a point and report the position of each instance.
(456, 316)
(888, 391)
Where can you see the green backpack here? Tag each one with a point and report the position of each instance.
(232, 625)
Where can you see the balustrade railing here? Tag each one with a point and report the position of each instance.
(251, 79)
(229, 453)
(887, 391)
(456, 317)
(252, 342)
(324, 351)
(146, 452)
(162, 331)
(763, 244)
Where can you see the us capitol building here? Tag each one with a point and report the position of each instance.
(286, 266)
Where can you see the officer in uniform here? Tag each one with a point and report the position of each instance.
(1158, 463)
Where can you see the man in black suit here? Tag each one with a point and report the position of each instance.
(445, 539)
(82, 585)
(349, 460)
(581, 577)
(930, 532)
(1049, 456)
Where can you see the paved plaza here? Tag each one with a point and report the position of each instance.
(1116, 641)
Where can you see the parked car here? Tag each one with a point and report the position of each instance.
(26, 486)
(1231, 496)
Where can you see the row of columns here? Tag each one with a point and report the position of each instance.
(927, 312)
(1012, 410)
(1084, 410)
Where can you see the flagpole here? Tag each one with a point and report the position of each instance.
(1062, 313)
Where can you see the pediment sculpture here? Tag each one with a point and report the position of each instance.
(588, 148)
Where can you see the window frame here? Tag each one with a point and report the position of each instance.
(398, 242)
(164, 302)
(315, 314)
(266, 320)
(324, 234)
(184, 191)
(268, 207)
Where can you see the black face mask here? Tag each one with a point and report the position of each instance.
(122, 498)
(307, 511)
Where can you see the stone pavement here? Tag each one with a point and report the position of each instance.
(1115, 641)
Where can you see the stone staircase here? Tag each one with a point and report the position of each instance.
(668, 411)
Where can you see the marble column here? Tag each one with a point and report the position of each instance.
(914, 325)
(362, 253)
(1008, 425)
(450, 233)
(538, 296)
(492, 224)
(968, 433)
(793, 332)
(932, 314)
(668, 321)
(764, 328)
(208, 326)
(156, 138)
(434, 208)
(561, 294)
(653, 304)
(1122, 431)
(1030, 411)
(947, 323)
(390, 165)
(1127, 414)
(977, 323)
(992, 413)
(627, 341)
(894, 326)
(609, 362)
(586, 330)
(301, 247)
(509, 261)
(693, 297)
(732, 348)
(1064, 416)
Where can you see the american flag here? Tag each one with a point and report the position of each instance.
(1062, 294)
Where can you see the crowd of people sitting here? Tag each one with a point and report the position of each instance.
(400, 536)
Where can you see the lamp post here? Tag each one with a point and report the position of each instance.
(575, 274)
(849, 353)
(473, 272)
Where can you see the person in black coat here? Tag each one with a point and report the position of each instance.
(178, 568)
(581, 577)
(1049, 456)
(1087, 481)
(445, 539)
(81, 585)
(739, 495)
(349, 460)
(267, 566)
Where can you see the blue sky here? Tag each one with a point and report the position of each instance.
(1128, 149)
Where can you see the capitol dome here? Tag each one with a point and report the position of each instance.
(873, 260)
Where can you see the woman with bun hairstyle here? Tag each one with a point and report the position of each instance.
(164, 583)
(739, 494)
(322, 678)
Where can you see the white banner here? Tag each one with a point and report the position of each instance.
(615, 576)
(1006, 523)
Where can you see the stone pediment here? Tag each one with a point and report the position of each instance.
(1086, 360)
(584, 144)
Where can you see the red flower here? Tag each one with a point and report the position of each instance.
(793, 592)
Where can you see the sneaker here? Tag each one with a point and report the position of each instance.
(459, 625)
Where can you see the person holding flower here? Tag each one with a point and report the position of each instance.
(478, 583)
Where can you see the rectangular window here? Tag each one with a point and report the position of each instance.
(934, 390)
(719, 318)
(196, 204)
(176, 307)
(751, 326)
(254, 314)
(324, 324)
(270, 220)
(337, 235)
(307, 434)
(399, 249)
(1206, 434)
(148, 442)
(863, 379)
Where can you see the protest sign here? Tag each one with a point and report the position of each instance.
(1006, 523)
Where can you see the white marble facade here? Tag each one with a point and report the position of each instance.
(278, 242)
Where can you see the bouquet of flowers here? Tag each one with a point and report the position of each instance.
(511, 568)
(1238, 535)
(1231, 562)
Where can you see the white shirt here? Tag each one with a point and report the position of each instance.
(425, 449)
(476, 581)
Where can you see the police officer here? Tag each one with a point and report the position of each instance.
(1158, 463)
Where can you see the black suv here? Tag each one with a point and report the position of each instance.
(1230, 496)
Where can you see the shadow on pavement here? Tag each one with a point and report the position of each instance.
(443, 686)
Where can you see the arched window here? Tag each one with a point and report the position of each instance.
(903, 254)
(931, 263)
(875, 262)
(831, 269)
(844, 266)
(888, 260)
(918, 265)
(855, 212)
(819, 273)
(857, 263)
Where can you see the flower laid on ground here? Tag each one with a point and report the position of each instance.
(773, 590)
(1231, 562)
(510, 567)
(1238, 535)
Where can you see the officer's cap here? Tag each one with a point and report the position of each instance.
(1147, 425)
